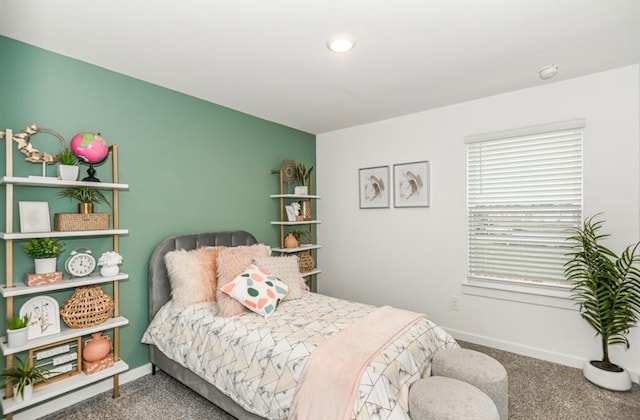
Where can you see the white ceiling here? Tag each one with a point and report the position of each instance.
(268, 57)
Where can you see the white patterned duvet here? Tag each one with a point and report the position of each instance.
(258, 362)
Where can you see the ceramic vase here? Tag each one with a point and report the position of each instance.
(109, 270)
(96, 348)
(45, 265)
(17, 338)
(290, 241)
(26, 395)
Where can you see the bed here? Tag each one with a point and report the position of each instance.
(256, 367)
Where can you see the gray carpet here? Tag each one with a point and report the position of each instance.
(538, 390)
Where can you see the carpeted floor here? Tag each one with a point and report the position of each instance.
(538, 390)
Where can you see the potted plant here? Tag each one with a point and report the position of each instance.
(607, 289)
(300, 235)
(303, 177)
(67, 165)
(86, 197)
(17, 330)
(24, 376)
(109, 262)
(45, 252)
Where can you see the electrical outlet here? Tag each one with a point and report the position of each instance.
(454, 303)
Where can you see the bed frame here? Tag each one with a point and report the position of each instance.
(160, 293)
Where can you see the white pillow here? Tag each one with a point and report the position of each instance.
(192, 275)
(287, 270)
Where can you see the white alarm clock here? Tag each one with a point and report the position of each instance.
(80, 263)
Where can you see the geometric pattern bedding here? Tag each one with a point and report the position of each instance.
(258, 362)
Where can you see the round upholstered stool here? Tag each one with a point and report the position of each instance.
(482, 371)
(440, 398)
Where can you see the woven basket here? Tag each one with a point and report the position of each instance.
(86, 307)
(305, 261)
(65, 222)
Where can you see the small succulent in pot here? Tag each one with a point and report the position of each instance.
(66, 157)
(38, 248)
(18, 322)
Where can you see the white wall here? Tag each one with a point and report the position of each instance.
(415, 258)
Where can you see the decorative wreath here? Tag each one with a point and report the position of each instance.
(288, 169)
(23, 138)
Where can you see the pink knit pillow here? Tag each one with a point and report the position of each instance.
(231, 263)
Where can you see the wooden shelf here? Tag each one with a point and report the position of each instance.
(21, 289)
(64, 334)
(63, 386)
(50, 181)
(294, 196)
(303, 222)
(69, 234)
(301, 248)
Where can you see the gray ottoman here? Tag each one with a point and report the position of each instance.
(440, 398)
(482, 371)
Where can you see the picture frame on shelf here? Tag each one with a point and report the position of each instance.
(44, 316)
(291, 213)
(34, 216)
(411, 184)
(374, 187)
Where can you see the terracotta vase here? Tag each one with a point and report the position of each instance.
(96, 348)
(290, 241)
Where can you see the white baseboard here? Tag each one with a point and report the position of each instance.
(549, 356)
(81, 394)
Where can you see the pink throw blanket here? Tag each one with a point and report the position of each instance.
(329, 383)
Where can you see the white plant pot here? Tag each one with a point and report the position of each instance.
(68, 172)
(109, 270)
(301, 190)
(17, 338)
(45, 265)
(28, 393)
(615, 381)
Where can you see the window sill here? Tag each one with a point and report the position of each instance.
(556, 296)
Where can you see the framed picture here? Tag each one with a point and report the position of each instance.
(411, 184)
(374, 187)
(34, 216)
(44, 316)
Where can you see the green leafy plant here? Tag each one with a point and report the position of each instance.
(300, 235)
(18, 322)
(84, 195)
(607, 286)
(38, 248)
(66, 157)
(303, 175)
(22, 374)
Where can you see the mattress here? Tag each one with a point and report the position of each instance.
(258, 362)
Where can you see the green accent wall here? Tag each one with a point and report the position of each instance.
(192, 166)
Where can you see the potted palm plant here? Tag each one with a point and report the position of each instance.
(607, 289)
(67, 165)
(23, 376)
(86, 196)
(45, 252)
(303, 177)
(17, 330)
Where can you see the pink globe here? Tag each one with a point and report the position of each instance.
(89, 147)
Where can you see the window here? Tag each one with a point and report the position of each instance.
(524, 191)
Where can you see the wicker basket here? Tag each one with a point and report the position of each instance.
(65, 222)
(305, 261)
(86, 307)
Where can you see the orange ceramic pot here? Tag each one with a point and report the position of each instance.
(96, 348)
(290, 241)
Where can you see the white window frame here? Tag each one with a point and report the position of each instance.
(555, 294)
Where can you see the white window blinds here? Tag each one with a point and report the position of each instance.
(524, 190)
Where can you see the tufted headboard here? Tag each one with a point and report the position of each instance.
(159, 285)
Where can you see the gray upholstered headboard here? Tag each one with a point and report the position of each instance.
(159, 286)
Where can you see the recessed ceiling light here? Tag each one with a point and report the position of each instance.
(341, 43)
(547, 72)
